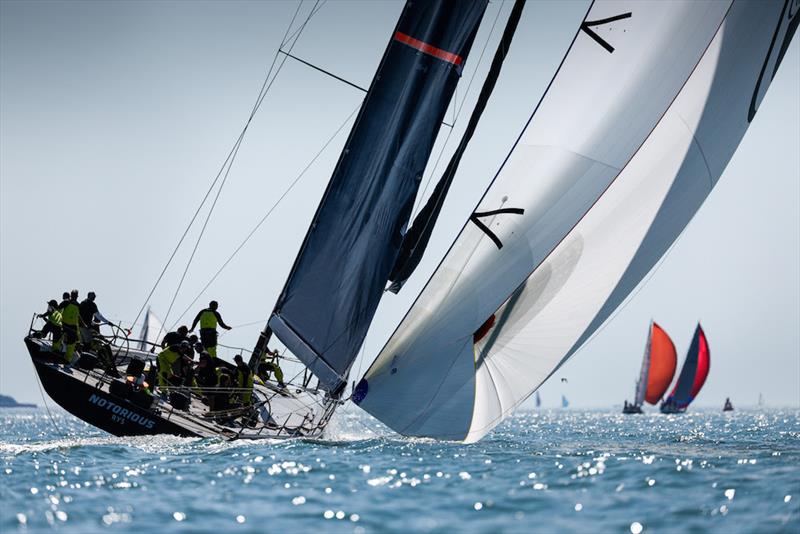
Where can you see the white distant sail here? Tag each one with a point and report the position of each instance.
(640, 121)
(152, 331)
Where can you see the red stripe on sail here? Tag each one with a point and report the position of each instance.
(425, 48)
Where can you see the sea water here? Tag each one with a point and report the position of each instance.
(547, 471)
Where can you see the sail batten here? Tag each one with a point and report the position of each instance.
(608, 173)
(332, 293)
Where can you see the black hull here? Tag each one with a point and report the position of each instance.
(667, 409)
(632, 409)
(102, 400)
(98, 407)
(102, 409)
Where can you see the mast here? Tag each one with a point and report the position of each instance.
(338, 277)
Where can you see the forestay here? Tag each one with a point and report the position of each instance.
(638, 124)
(337, 280)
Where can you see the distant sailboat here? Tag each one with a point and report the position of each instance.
(693, 375)
(538, 400)
(151, 331)
(658, 367)
(760, 400)
(728, 406)
(564, 402)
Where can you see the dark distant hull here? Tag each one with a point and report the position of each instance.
(632, 408)
(671, 408)
(85, 400)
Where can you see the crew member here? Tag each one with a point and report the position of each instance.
(91, 318)
(64, 301)
(269, 364)
(208, 319)
(175, 338)
(166, 359)
(70, 317)
(206, 375)
(52, 324)
(244, 380)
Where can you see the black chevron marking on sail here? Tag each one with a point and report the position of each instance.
(587, 27)
(475, 217)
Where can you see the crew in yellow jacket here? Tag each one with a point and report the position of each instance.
(52, 324)
(166, 359)
(70, 317)
(208, 319)
(244, 380)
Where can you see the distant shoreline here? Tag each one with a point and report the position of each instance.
(10, 402)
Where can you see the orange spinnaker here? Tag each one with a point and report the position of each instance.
(663, 361)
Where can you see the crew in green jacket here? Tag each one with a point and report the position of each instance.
(244, 380)
(166, 359)
(269, 364)
(52, 324)
(70, 317)
(208, 319)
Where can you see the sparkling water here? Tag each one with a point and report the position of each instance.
(588, 471)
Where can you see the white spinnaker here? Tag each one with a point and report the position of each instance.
(606, 189)
(151, 331)
(641, 385)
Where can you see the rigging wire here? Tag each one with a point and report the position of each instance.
(269, 212)
(456, 114)
(267, 85)
(262, 93)
(46, 407)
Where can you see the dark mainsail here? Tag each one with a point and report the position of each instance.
(417, 237)
(328, 302)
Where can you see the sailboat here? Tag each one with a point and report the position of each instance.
(693, 375)
(538, 400)
(728, 407)
(338, 277)
(635, 128)
(151, 332)
(658, 368)
(564, 402)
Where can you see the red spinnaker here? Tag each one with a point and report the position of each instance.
(663, 362)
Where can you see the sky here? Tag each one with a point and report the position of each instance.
(115, 117)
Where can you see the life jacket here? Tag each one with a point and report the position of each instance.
(166, 358)
(54, 317)
(70, 314)
(208, 319)
(246, 383)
